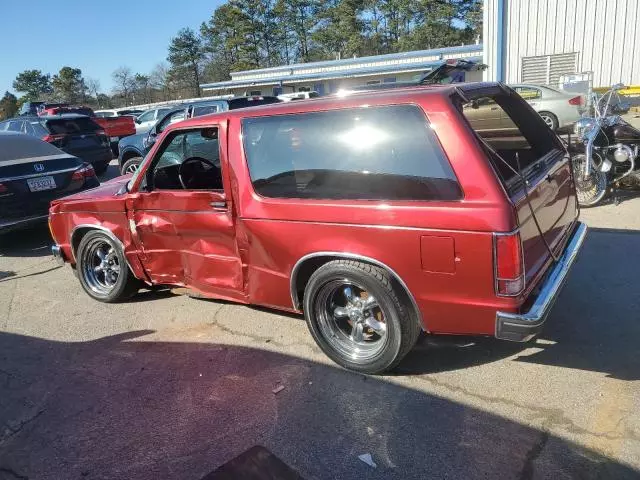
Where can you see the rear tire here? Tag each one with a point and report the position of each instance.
(103, 270)
(357, 317)
(550, 119)
(131, 165)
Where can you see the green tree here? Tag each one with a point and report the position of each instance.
(69, 86)
(33, 83)
(301, 17)
(8, 106)
(340, 30)
(186, 56)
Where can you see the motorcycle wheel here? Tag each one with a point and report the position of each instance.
(591, 189)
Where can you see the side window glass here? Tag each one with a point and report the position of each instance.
(528, 93)
(376, 153)
(188, 160)
(147, 117)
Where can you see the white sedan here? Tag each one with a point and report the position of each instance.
(558, 109)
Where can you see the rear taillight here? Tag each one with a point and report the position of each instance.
(53, 138)
(3, 189)
(577, 101)
(86, 171)
(509, 264)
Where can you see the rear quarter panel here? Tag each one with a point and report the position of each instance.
(273, 234)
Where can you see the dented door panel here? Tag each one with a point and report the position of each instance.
(184, 240)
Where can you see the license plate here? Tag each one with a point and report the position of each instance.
(113, 139)
(41, 183)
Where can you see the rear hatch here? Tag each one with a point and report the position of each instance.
(79, 136)
(535, 171)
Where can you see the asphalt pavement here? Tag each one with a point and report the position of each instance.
(168, 386)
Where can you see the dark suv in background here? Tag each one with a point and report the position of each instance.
(75, 134)
(132, 149)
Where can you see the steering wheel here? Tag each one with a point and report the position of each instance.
(196, 169)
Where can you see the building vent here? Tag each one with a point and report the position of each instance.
(547, 69)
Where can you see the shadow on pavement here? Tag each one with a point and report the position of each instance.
(594, 326)
(30, 242)
(122, 407)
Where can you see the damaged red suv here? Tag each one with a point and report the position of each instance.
(379, 216)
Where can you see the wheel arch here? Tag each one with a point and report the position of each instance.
(79, 231)
(128, 154)
(305, 266)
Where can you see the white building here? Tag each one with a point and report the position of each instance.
(330, 76)
(538, 41)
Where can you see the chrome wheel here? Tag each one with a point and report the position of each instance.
(132, 168)
(590, 189)
(351, 320)
(549, 121)
(100, 266)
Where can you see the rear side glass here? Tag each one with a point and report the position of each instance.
(72, 125)
(376, 153)
(251, 102)
(503, 122)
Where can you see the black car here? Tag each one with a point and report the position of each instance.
(133, 148)
(76, 134)
(32, 173)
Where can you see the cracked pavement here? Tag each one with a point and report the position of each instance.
(169, 386)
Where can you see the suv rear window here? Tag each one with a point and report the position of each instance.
(376, 153)
(245, 102)
(503, 121)
(72, 125)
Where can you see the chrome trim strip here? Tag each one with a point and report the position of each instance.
(41, 174)
(353, 256)
(106, 231)
(520, 327)
(40, 159)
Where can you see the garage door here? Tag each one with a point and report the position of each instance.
(547, 69)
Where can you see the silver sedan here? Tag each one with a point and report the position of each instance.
(558, 109)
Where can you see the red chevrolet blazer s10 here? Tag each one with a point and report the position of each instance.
(379, 215)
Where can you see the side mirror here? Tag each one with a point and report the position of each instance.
(475, 104)
(618, 86)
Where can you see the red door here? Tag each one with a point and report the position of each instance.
(182, 218)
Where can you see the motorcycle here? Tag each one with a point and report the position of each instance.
(611, 147)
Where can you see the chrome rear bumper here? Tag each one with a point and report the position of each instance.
(521, 327)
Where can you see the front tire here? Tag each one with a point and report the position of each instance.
(550, 119)
(131, 165)
(102, 269)
(589, 190)
(357, 317)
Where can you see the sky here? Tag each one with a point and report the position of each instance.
(96, 37)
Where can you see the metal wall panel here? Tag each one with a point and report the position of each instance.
(604, 33)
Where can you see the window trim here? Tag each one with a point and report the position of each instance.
(147, 181)
(363, 201)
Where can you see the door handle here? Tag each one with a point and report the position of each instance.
(494, 108)
(219, 205)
